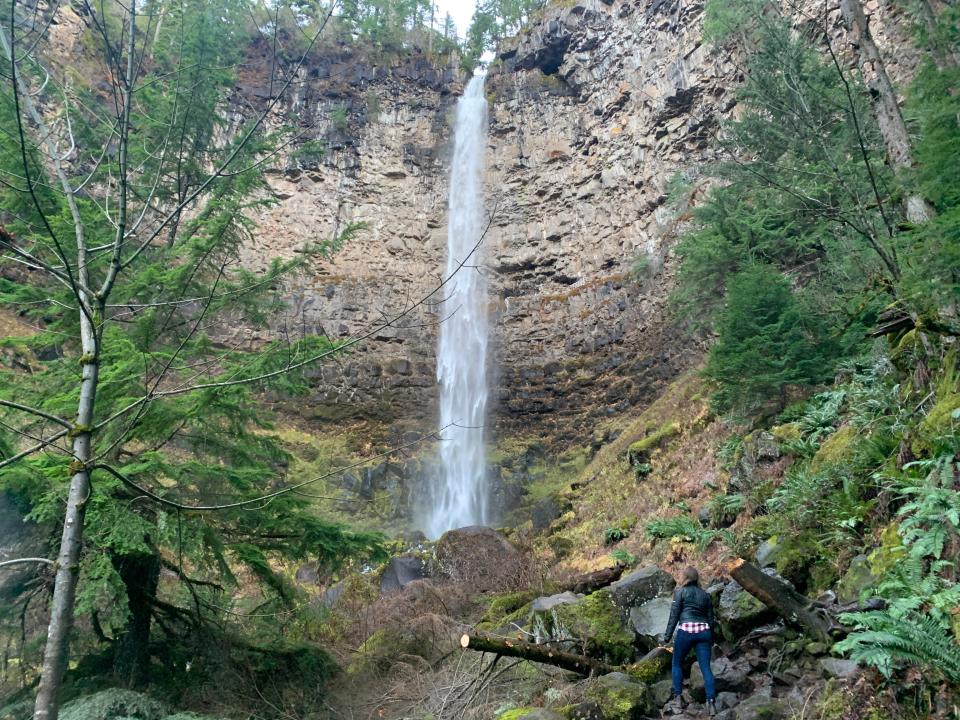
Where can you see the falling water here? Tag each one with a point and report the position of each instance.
(460, 491)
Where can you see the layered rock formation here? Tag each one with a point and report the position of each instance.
(595, 111)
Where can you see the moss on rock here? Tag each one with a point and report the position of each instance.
(836, 449)
(786, 433)
(641, 449)
(620, 697)
(596, 621)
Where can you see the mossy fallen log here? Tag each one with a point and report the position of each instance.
(777, 595)
(648, 668)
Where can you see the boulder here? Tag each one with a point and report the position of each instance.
(661, 692)
(531, 714)
(761, 707)
(591, 624)
(838, 668)
(620, 697)
(308, 574)
(768, 552)
(640, 586)
(858, 578)
(739, 612)
(548, 603)
(650, 620)
(731, 677)
(480, 557)
(400, 572)
(331, 596)
(588, 710)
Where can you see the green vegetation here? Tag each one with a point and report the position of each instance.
(131, 417)
(835, 322)
(492, 21)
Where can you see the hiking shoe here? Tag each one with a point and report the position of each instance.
(711, 707)
(675, 706)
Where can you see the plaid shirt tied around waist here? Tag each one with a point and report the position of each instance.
(694, 627)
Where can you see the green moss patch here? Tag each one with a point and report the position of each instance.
(596, 621)
(620, 697)
(837, 449)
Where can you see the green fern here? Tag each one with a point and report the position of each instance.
(882, 640)
(684, 528)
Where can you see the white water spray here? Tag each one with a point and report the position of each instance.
(459, 496)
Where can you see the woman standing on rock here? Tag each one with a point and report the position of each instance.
(693, 611)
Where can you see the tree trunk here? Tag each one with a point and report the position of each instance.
(776, 594)
(140, 575)
(586, 584)
(653, 663)
(580, 664)
(885, 105)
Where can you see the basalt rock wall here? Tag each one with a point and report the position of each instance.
(595, 110)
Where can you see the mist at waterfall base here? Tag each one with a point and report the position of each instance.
(459, 490)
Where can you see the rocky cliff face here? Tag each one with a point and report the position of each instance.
(594, 111)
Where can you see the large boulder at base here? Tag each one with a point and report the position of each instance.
(650, 620)
(480, 557)
(620, 697)
(739, 612)
(592, 623)
(401, 571)
(641, 586)
(730, 677)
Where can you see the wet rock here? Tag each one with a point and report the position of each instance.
(331, 596)
(591, 623)
(661, 692)
(620, 697)
(480, 557)
(307, 574)
(640, 586)
(838, 668)
(650, 620)
(858, 578)
(768, 552)
(400, 572)
(588, 710)
(726, 700)
(731, 677)
(760, 707)
(548, 603)
(539, 714)
(739, 612)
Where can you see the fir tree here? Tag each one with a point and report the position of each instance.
(761, 348)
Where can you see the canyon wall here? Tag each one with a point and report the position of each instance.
(595, 110)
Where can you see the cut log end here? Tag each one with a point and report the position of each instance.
(464, 641)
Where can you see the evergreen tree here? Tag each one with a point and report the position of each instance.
(128, 428)
(762, 348)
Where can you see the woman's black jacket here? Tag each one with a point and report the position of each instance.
(690, 604)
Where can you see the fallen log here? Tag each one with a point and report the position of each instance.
(651, 665)
(588, 583)
(580, 664)
(777, 595)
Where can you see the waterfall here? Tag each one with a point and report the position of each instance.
(459, 491)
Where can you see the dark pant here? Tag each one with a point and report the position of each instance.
(701, 643)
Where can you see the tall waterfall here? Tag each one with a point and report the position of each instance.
(459, 496)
